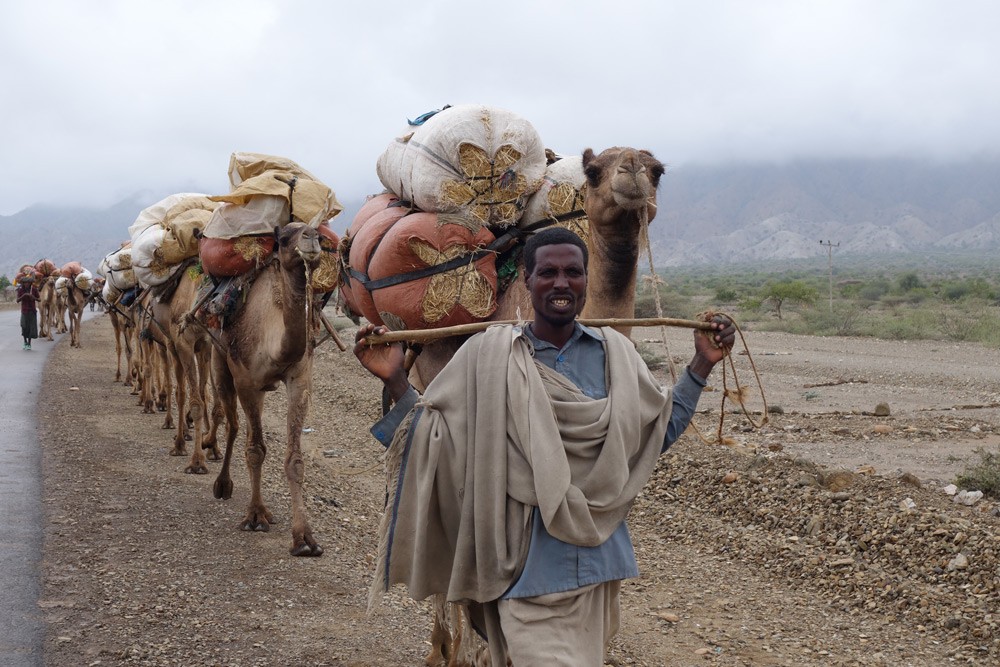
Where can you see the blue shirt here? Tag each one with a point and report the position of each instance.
(552, 565)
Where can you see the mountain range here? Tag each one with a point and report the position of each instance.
(742, 214)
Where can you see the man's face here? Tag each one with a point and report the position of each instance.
(558, 284)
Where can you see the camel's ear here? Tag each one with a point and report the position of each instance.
(658, 171)
(591, 170)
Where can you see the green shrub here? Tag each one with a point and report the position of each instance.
(672, 303)
(726, 295)
(874, 290)
(909, 282)
(984, 476)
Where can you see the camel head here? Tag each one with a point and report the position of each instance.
(620, 182)
(620, 199)
(298, 244)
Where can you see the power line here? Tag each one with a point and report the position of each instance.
(829, 249)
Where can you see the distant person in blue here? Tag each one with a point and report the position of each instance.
(511, 477)
(28, 296)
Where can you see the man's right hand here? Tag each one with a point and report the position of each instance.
(383, 361)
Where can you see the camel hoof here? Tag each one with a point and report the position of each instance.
(214, 455)
(253, 525)
(307, 550)
(223, 489)
(196, 470)
(178, 451)
(187, 436)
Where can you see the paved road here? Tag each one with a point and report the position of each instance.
(22, 627)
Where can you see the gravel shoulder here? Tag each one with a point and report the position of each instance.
(752, 554)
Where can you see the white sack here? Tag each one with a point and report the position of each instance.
(149, 270)
(116, 267)
(563, 177)
(429, 167)
(84, 279)
(155, 214)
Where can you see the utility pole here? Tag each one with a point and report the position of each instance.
(829, 251)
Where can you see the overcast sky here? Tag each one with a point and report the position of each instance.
(100, 99)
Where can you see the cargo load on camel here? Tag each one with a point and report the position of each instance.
(266, 193)
(465, 185)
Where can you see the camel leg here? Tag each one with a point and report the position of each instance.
(258, 517)
(225, 394)
(192, 376)
(180, 448)
(116, 325)
(148, 374)
(299, 387)
(440, 636)
(165, 378)
(210, 443)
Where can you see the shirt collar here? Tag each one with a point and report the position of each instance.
(578, 332)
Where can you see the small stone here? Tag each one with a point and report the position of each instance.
(882, 429)
(730, 477)
(775, 410)
(838, 480)
(911, 479)
(702, 651)
(669, 617)
(74, 389)
(951, 489)
(969, 498)
(882, 410)
(907, 504)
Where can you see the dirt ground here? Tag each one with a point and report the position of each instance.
(800, 543)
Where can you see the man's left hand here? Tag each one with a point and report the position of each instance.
(711, 347)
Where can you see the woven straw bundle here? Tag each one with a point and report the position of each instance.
(560, 198)
(326, 276)
(457, 296)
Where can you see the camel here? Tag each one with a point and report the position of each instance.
(121, 322)
(47, 307)
(620, 198)
(62, 295)
(270, 341)
(76, 301)
(151, 361)
(189, 348)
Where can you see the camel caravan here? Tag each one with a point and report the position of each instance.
(216, 299)
(64, 291)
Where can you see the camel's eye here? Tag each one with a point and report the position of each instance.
(593, 174)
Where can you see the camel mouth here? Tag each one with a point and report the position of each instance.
(631, 200)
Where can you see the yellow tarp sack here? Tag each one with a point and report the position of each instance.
(254, 175)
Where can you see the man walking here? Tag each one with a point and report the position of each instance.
(511, 478)
(28, 296)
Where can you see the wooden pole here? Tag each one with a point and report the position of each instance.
(429, 335)
(333, 332)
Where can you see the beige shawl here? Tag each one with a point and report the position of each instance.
(497, 434)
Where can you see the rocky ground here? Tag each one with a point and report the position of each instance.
(820, 538)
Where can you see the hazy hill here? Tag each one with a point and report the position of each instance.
(754, 213)
(735, 214)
